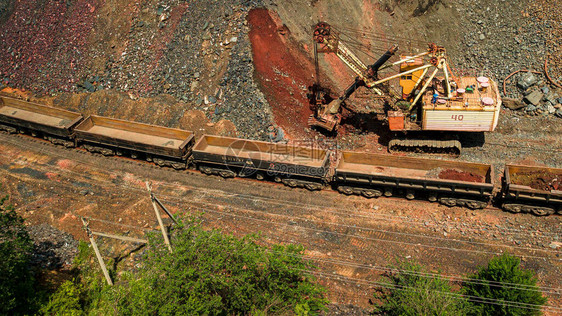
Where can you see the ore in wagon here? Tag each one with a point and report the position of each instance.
(532, 189)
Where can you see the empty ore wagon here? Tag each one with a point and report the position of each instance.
(292, 165)
(48, 122)
(536, 190)
(449, 182)
(162, 145)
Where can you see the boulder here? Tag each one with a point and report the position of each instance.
(551, 97)
(89, 86)
(513, 104)
(527, 80)
(534, 97)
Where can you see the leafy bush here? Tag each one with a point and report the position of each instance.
(213, 273)
(413, 294)
(84, 293)
(65, 301)
(16, 277)
(505, 269)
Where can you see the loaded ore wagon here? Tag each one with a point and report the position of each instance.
(48, 122)
(294, 166)
(536, 190)
(162, 145)
(449, 182)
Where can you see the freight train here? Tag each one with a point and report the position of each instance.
(525, 189)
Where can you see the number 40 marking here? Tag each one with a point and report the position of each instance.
(456, 117)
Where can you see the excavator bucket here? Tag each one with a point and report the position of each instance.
(328, 122)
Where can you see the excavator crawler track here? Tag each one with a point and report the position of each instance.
(448, 147)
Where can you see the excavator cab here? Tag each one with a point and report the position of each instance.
(408, 82)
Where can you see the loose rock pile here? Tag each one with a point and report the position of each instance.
(537, 97)
(43, 44)
(53, 249)
(500, 37)
(503, 37)
(244, 104)
(199, 53)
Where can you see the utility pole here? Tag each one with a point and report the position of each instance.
(97, 251)
(164, 208)
(124, 238)
(164, 233)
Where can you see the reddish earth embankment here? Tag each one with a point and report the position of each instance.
(282, 70)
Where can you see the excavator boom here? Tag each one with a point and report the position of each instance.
(327, 115)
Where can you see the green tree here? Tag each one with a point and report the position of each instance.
(16, 277)
(410, 292)
(65, 301)
(522, 288)
(217, 274)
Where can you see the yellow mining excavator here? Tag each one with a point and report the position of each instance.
(430, 99)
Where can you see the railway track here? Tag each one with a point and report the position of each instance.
(5, 137)
(221, 196)
(452, 183)
(328, 224)
(260, 203)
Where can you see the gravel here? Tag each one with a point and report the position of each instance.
(53, 249)
(5, 8)
(506, 36)
(501, 37)
(207, 63)
(244, 105)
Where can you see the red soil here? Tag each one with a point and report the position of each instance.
(452, 174)
(283, 71)
(46, 39)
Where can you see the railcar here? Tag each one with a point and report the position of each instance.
(527, 189)
(293, 166)
(53, 124)
(162, 145)
(449, 182)
(536, 190)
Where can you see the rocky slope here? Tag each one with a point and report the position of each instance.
(200, 52)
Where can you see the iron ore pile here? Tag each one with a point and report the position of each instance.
(499, 37)
(196, 51)
(203, 58)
